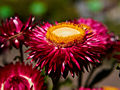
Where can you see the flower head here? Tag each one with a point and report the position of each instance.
(68, 46)
(14, 29)
(20, 77)
(113, 47)
(117, 49)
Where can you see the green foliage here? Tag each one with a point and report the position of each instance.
(6, 11)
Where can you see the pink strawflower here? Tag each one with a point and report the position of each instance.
(20, 77)
(68, 46)
(14, 29)
(117, 49)
(113, 47)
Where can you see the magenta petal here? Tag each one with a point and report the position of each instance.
(16, 43)
(29, 22)
(63, 68)
(75, 61)
(49, 70)
(18, 24)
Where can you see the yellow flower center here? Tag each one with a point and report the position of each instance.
(66, 34)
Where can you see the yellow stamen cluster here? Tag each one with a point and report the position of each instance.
(66, 33)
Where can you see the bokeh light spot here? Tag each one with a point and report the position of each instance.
(38, 8)
(6, 11)
(94, 5)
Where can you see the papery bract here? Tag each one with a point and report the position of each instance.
(68, 46)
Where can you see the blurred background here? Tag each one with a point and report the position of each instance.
(106, 11)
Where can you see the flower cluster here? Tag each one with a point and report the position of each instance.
(60, 48)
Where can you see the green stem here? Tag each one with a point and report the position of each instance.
(55, 83)
(80, 79)
(89, 77)
(21, 53)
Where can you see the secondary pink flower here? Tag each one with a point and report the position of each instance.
(68, 46)
(113, 47)
(117, 49)
(13, 30)
(20, 77)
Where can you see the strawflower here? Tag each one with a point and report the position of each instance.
(68, 46)
(13, 30)
(20, 77)
(113, 47)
